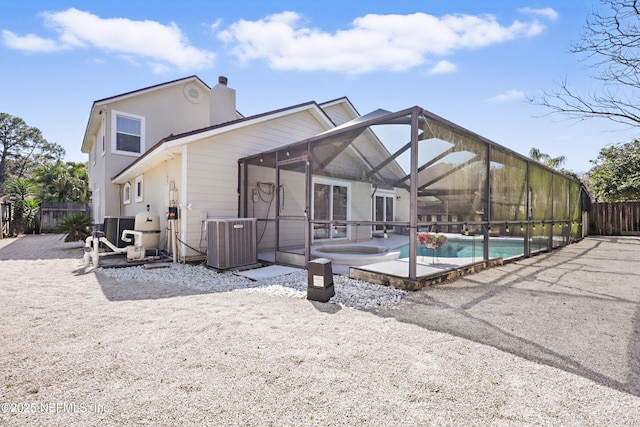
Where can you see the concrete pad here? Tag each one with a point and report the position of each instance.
(425, 266)
(267, 272)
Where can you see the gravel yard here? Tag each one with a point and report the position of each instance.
(549, 340)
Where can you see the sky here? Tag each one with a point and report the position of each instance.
(475, 63)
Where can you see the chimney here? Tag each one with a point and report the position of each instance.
(222, 103)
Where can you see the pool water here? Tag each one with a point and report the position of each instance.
(468, 248)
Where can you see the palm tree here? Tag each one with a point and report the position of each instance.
(75, 226)
(547, 160)
(25, 206)
(63, 182)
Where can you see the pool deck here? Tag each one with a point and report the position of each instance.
(426, 266)
(428, 272)
(387, 270)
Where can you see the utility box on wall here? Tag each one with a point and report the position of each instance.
(231, 243)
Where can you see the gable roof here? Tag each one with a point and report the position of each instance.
(342, 100)
(170, 144)
(97, 105)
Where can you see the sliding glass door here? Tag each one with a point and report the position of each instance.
(330, 203)
(384, 210)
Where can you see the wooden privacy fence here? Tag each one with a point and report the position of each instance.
(51, 212)
(615, 218)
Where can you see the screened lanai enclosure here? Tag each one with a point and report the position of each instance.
(360, 193)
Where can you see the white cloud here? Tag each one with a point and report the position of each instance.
(443, 67)
(510, 95)
(30, 43)
(373, 42)
(546, 12)
(162, 46)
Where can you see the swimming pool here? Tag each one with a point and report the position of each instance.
(470, 248)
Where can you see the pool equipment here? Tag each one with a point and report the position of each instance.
(145, 236)
(143, 241)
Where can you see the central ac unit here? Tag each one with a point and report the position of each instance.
(231, 243)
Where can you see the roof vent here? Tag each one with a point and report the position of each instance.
(223, 80)
(192, 93)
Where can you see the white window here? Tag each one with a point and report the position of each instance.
(331, 202)
(128, 134)
(138, 188)
(126, 194)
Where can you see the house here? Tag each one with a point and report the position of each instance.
(178, 144)
(318, 179)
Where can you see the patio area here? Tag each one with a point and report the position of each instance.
(385, 261)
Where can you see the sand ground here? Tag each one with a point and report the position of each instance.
(549, 340)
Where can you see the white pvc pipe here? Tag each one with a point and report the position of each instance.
(137, 237)
(87, 251)
(95, 253)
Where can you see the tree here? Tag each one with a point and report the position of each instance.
(547, 160)
(62, 182)
(22, 147)
(616, 173)
(75, 226)
(553, 162)
(610, 45)
(25, 206)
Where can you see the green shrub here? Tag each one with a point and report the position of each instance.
(75, 226)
